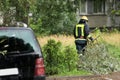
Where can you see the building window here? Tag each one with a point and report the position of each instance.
(92, 7)
(83, 6)
(98, 6)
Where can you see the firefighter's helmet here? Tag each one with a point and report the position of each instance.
(85, 18)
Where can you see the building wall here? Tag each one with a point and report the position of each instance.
(117, 20)
(97, 20)
(102, 19)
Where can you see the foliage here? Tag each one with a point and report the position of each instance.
(100, 57)
(70, 58)
(51, 51)
(98, 60)
(5, 8)
(15, 11)
(58, 60)
(37, 26)
(57, 16)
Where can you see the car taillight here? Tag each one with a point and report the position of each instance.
(39, 67)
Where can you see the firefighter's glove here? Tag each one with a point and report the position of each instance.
(91, 39)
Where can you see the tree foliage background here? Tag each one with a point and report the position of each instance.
(49, 16)
(55, 16)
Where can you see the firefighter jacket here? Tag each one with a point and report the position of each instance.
(81, 31)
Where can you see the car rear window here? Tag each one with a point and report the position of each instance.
(18, 41)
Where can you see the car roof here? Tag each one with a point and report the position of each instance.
(15, 28)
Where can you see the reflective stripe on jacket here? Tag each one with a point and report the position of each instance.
(81, 26)
(79, 31)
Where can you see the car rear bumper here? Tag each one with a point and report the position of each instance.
(39, 78)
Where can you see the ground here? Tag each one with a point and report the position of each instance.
(111, 76)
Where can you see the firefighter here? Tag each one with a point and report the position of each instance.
(81, 34)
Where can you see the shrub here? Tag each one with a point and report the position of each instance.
(70, 57)
(51, 51)
(68, 60)
(59, 59)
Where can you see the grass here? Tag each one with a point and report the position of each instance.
(110, 38)
(112, 41)
(65, 40)
(114, 50)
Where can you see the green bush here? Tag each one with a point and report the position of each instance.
(51, 51)
(59, 59)
(37, 27)
(70, 58)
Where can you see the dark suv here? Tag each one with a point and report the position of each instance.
(20, 55)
